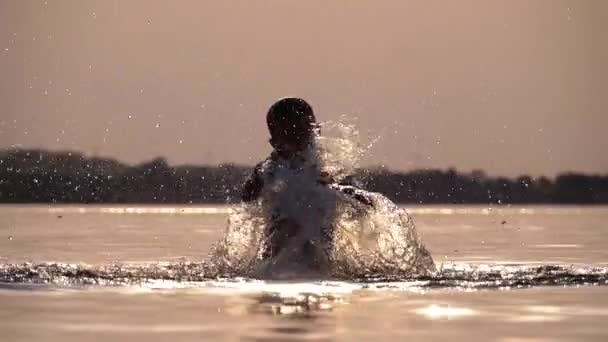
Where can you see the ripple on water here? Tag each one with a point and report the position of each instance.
(207, 276)
(302, 298)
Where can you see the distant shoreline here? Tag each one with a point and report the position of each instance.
(39, 177)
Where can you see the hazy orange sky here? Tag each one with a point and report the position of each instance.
(506, 86)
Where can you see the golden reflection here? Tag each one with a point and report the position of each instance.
(539, 313)
(294, 317)
(435, 312)
(303, 304)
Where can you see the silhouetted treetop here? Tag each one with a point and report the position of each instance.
(38, 176)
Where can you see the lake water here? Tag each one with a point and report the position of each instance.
(110, 273)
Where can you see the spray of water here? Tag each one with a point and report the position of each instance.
(315, 226)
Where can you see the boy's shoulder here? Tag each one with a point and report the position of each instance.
(255, 182)
(266, 165)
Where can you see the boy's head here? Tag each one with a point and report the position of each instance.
(292, 125)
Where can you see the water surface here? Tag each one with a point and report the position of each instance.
(74, 273)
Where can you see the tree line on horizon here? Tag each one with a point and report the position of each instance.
(38, 176)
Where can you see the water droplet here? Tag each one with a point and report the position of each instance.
(10, 238)
(157, 125)
(130, 117)
(181, 141)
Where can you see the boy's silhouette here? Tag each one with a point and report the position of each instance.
(293, 128)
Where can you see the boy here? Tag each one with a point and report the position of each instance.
(293, 186)
(292, 126)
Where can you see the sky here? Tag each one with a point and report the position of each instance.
(509, 87)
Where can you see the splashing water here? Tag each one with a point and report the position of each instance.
(206, 275)
(341, 149)
(316, 226)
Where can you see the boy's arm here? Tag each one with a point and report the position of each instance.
(253, 185)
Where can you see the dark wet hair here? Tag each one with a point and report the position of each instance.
(291, 120)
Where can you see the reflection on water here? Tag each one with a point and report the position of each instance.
(303, 305)
(303, 316)
(554, 314)
(538, 313)
(305, 310)
(557, 245)
(435, 311)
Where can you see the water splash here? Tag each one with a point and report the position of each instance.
(341, 148)
(308, 223)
